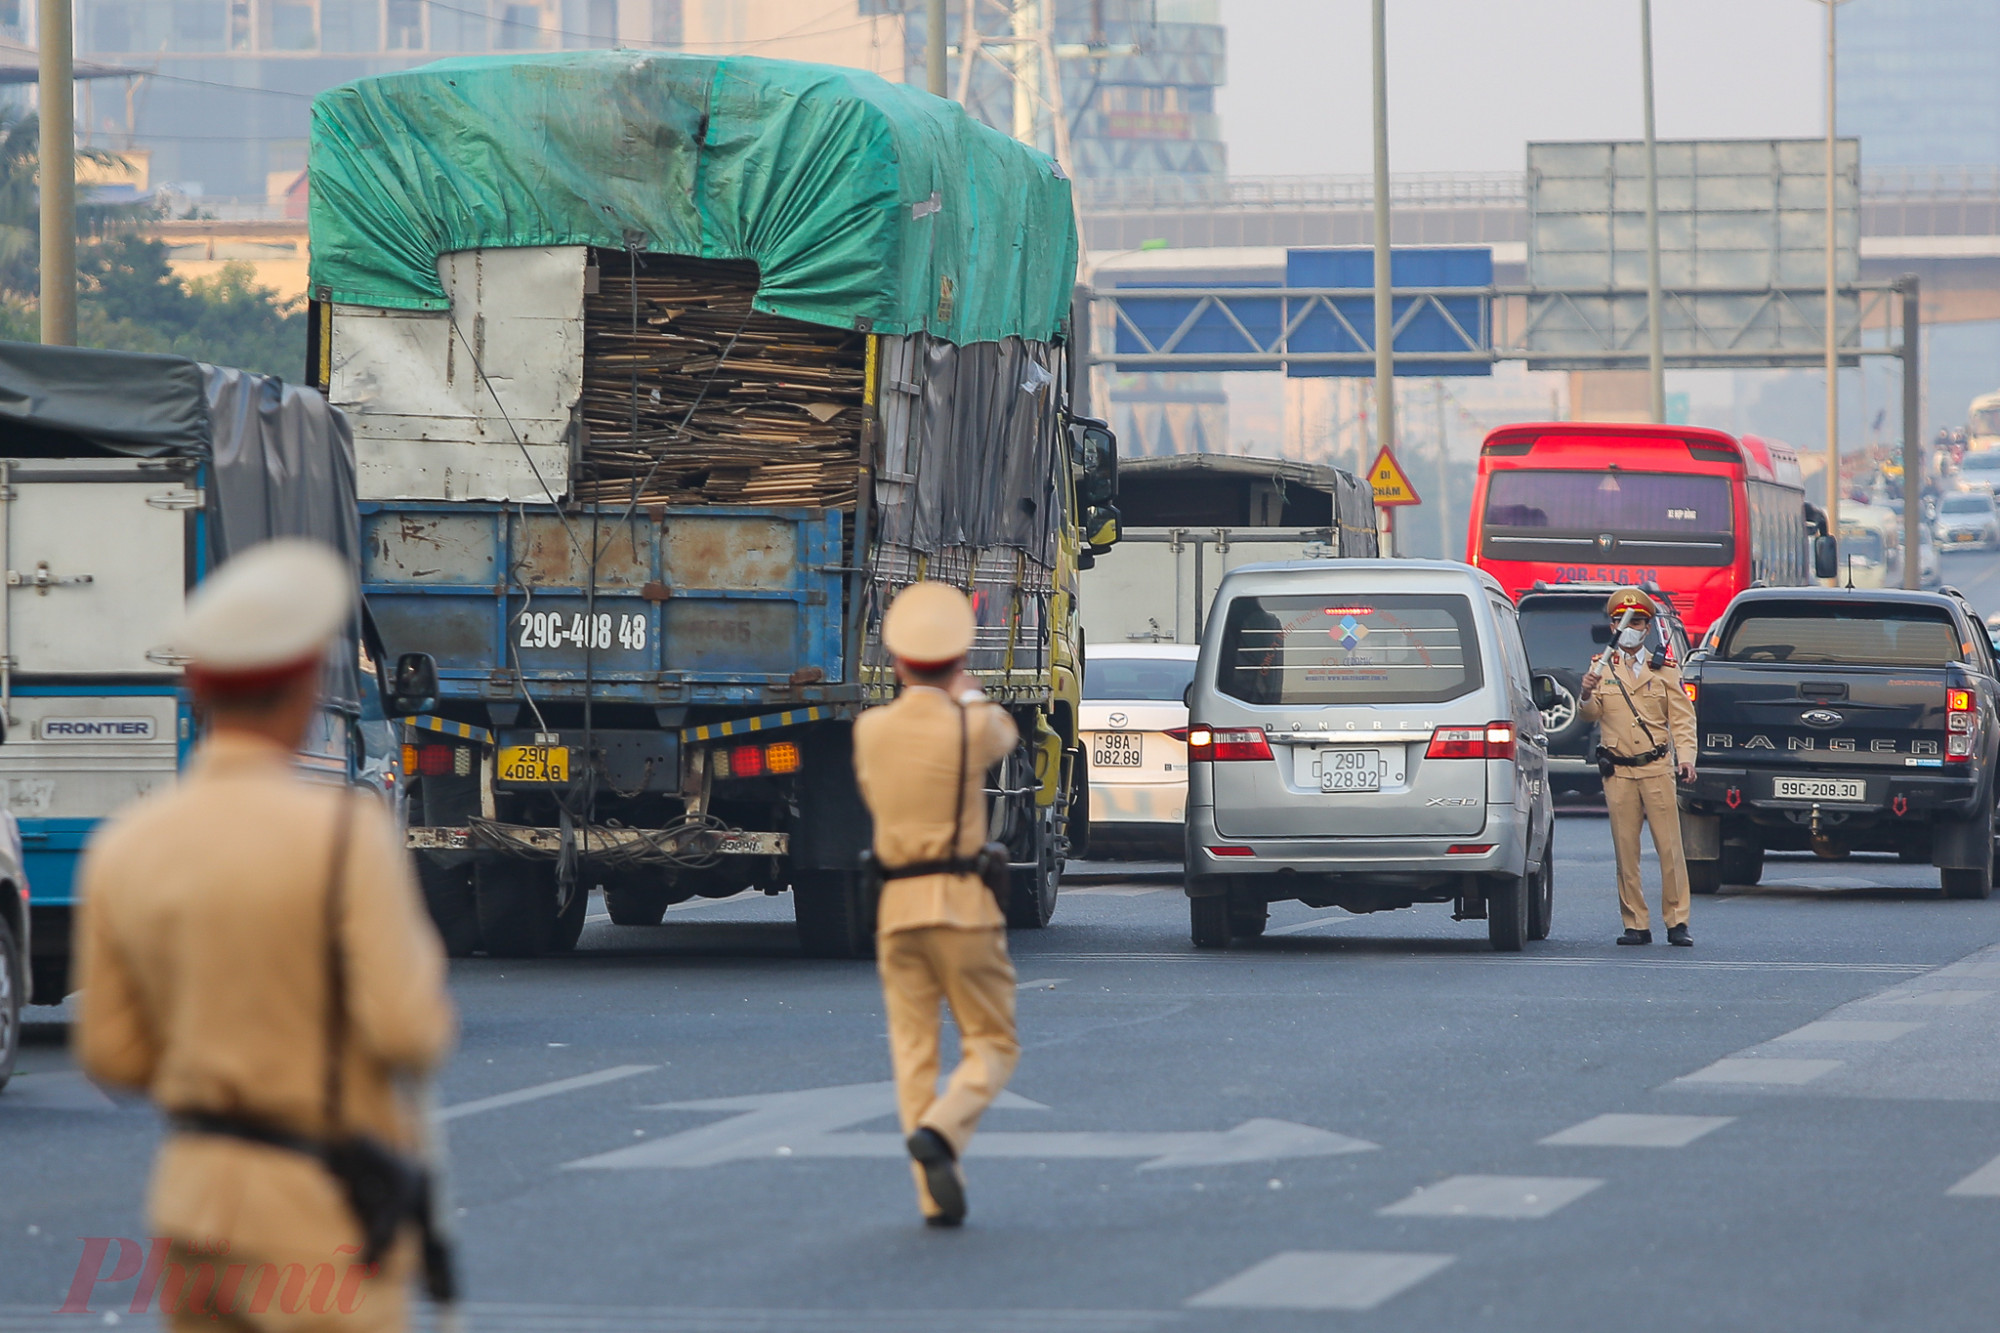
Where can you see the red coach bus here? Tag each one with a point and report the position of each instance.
(1698, 513)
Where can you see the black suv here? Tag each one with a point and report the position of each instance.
(1841, 720)
(1564, 627)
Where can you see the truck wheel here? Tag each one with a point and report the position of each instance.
(1972, 882)
(1078, 830)
(12, 991)
(1208, 922)
(51, 978)
(1031, 897)
(516, 902)
(1542, 901)
(569, 921)
(1742, 862)
(636, 897)
(449, 896)
(1507, 913)
(1247, 919)
(1704, 876)
(833, 920)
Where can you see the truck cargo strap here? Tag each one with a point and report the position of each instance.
(688, 844)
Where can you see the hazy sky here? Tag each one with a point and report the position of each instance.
(1472, 81)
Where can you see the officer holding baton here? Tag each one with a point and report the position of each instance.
(1646, 731)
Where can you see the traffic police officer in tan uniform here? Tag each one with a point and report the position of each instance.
(204, 965)
(940, 935)
(1646, 733)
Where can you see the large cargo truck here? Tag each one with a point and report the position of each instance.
(666, 373)
(1188, 519)
(124, 479)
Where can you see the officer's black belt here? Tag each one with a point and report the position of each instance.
(246, 1129)
(963, 865)
(1605, 756)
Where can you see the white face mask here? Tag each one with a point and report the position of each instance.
(1630, 638)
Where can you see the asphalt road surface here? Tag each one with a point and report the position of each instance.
(1370, 1122)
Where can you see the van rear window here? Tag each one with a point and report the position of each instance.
(1823, 634)
(1404, 648)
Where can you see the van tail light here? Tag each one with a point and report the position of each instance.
(1960, 720)
(1222, 745)
(1495, 740)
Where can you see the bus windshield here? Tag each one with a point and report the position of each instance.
(1616, 502)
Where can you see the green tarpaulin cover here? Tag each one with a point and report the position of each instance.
(865, 203)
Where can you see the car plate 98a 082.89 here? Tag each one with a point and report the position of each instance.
(534, 763)
(1115, 749)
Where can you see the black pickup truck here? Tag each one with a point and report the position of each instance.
(1843, 720)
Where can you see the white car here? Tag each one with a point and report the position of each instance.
(1980, 471)
(1134, 729)
(1968, 519)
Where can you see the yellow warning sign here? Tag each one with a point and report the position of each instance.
(1391, 486)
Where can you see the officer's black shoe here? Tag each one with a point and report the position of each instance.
(1679, 935)
(933, 1153)
(1636, 937)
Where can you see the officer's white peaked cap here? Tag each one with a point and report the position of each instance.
(929, 624)
(277, 605)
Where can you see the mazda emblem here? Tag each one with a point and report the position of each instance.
(1821, 717)
(1119, 719)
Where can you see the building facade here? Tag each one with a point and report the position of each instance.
(1917, 81)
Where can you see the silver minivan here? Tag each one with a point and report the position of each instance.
(1364, 734)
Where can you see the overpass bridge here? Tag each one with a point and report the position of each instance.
(1942, 224)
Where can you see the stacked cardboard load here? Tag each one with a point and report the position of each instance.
(731, 406)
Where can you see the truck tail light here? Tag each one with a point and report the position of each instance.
(1495, 740)
(1960, 717)
(1691, 689)
(437, 761)
(756, 761)
(1222, 745)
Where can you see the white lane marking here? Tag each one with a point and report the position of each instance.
(1505, 1197)
(541, 1090)
(1983, 1183)
(1848, 1029)
(57, 1090)
(695, 904)
(1298, 926)
(1321, 1280)
(1943, 999)
(597, 916)
(1040, 983)
(1637, 1131)
(1113, 890)
(1734, 1069)
(1250, 956)
(1949, 999)
(803, 1124)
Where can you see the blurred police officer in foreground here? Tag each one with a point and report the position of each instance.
(213, 917)
(940, 935)
(1646, 733)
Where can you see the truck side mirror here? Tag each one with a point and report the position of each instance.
(414, 688)
(1100, 528)
(1097, 455)
(1543, 689)
(1826, 557)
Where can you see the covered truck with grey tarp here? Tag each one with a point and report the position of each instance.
(124, 479)
(666, 373)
